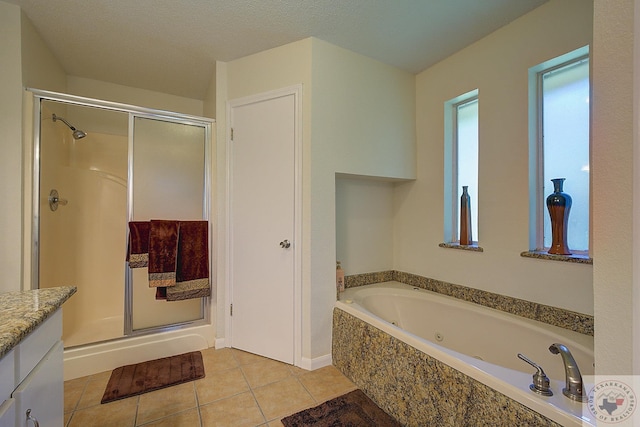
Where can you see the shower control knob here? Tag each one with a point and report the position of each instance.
(285, 244)
(55, 200)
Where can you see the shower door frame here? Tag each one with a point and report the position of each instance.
(133, 112)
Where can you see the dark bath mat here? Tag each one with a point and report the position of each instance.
(353, 409)
(131, 380)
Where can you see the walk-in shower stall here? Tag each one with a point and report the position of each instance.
(96, 166)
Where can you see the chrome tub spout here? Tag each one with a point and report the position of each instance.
(573, 389)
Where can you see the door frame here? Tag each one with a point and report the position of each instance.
(296, 91)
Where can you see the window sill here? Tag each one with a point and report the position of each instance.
(575, 258)
(455, 245)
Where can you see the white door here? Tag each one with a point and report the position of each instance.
(262, 227)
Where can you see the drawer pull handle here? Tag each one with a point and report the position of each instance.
(32, 418)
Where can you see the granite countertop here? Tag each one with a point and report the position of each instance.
(22, 311)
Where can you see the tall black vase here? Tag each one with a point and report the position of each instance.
(559, 205)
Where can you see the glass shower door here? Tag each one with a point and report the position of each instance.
(168, 181)
(82, 237)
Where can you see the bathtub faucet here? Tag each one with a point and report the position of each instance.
(573, 389)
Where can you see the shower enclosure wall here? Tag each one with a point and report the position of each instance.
(133, 164)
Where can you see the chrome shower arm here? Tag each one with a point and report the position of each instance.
(77, 133)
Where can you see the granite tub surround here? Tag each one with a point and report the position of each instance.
(415, 388)
(578, 322)
(22, 311)
(368, 278)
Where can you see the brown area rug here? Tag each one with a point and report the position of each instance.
(353, 409)
(131, 380)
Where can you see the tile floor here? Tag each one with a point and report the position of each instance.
(239, 390)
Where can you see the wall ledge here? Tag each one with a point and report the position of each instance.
(454, 245)
(575, 258)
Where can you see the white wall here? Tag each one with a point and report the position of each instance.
(214, 106)
(128, 95)
(26, 61)
(210, 97)
(363, 115)
(363, 124)
(218, 206)
(498, 67)
(10, 145)
(634, 352)
(612, 154)
(40, 69)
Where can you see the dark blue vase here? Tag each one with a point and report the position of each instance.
(559, 205)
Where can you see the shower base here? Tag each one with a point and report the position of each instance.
(91, 359)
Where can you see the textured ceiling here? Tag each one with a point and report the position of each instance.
(171, 46)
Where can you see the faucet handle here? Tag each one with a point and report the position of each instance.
(541, 384)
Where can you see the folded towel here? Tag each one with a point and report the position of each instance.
(161, 292)
(138, 251)
(192, 271)
(163, 249)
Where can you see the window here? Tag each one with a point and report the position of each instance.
(560, 145)
(461, 162)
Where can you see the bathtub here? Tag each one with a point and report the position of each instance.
(479, 342)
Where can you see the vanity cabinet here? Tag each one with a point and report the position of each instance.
(31, 357)
(8, 413)
(7, 384)
(32, 378)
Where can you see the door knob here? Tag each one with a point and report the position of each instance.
(32, 418)
(285, 244)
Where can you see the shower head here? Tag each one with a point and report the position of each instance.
(77, 133)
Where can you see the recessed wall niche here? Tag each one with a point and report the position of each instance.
(364, 224)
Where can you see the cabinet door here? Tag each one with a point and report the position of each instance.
(8, 413)
(7, 376)
(42, 392)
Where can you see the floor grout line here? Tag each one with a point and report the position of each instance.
(135, 416)
(253, 394)
(195, 389)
